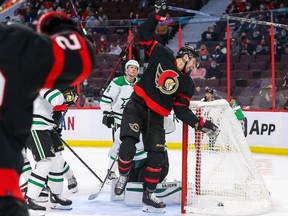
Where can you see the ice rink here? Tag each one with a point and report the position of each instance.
(273, 169)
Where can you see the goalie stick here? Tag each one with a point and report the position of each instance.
(241, 19)
(96, 194)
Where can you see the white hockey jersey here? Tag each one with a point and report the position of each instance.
(116, 96)
(43, 108)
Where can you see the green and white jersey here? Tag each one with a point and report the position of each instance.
(43, 109)
(116, 96)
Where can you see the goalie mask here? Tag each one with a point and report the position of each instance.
(54, 22)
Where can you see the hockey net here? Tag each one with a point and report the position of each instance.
(219, 175)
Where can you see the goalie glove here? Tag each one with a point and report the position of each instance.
(161, 8)
(108, 119)
(70, 97)
(207, 127)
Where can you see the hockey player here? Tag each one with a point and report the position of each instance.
(166, 84)
(31, 61)
(46, 146)
(209, 95)
(114, 100)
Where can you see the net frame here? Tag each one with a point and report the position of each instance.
(206, 188)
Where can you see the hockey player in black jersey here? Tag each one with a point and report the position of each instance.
(58, 57)
(165, 85)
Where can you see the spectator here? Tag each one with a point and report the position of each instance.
(29, 15)
(235, 7)
(282, 38)
(256, 37)
(246, 48)
(115, 48)
(262, 48)
(234, 47)
(17, 17)
(204, 55)
(198, 73)
(214, 71)
(285, 80)
(209, 35)
(218, 55)
(91, 22)
(103, 45)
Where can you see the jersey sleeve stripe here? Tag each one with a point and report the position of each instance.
(87, 64)
(58, 65)
(151, 103)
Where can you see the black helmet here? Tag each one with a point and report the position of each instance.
(209, 90)
(189, 50)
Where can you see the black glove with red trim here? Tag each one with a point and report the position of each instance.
(161, 7)
(207, 127)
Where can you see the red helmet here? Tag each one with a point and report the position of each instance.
(47, 22)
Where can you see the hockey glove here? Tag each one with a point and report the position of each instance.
(71, 97)
(108, 119)
(161, 8)
(57, 116)
(208, 128)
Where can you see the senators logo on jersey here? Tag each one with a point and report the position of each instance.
(166, 81)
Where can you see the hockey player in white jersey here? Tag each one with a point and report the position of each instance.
(114, 100)
(46, 146)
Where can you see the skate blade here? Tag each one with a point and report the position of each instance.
(74, 190)
(61, 207)
(36, 213)
(151, 209)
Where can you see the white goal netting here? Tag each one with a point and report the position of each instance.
(220, 175)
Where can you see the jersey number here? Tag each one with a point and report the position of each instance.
(2, 86)
(72, 44)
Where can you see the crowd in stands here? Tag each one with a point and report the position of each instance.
(107, 23)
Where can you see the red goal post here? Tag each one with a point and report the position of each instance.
(219, 175)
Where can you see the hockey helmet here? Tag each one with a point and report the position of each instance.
(209, 90)
(132, 62)
(50, 22)
(189, 50)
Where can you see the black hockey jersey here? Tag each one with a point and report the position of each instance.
(29, 61)
(162, 86)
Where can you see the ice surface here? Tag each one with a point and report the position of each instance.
(274, 170)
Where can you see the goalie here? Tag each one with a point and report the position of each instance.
(164, 86)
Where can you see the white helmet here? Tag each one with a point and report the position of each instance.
(132, 62)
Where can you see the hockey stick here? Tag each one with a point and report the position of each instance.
(79, 18)
(241, 19)
(122, 54)
(95, 195)
(79, 158)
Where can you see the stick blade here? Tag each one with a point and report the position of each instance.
(96, 194)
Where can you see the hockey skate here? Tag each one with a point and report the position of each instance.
(35, 209)
(59, 202)
(72, 184)
(121, 184)
(152, 204)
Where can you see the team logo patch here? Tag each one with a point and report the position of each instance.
(166, 81)
(134, 127)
